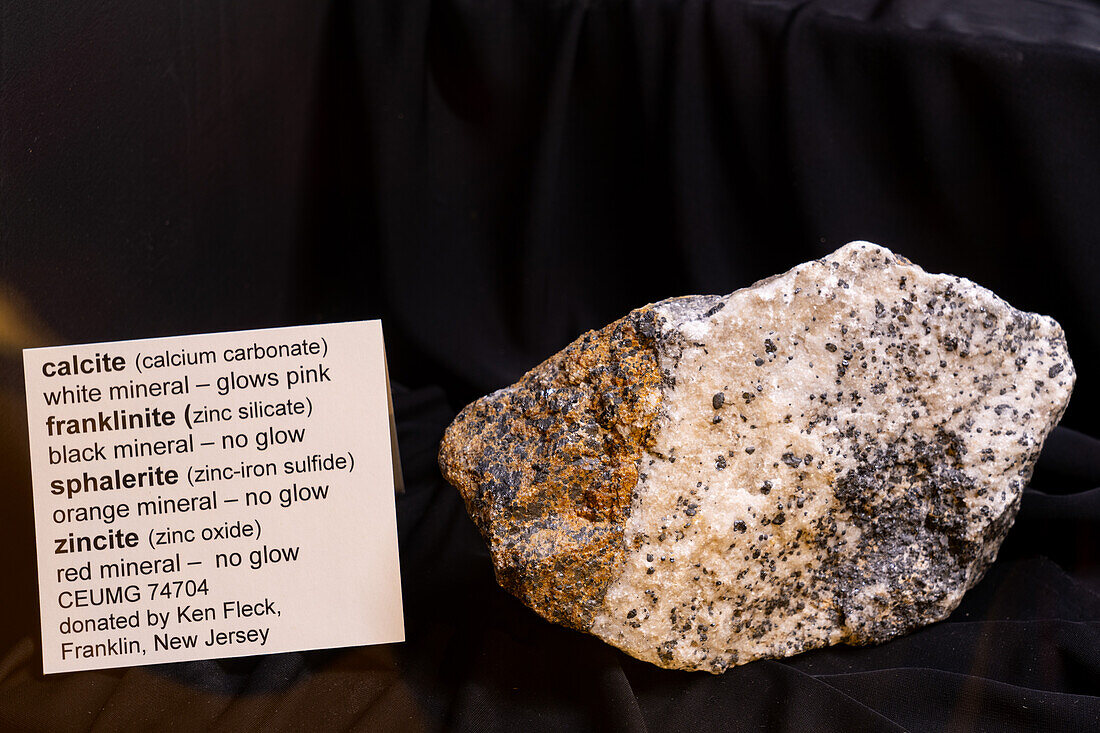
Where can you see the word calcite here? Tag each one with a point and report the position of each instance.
(216, 495)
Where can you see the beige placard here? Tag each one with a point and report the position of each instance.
(216, 495)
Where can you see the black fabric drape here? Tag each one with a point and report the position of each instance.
(540, 168)
(492, 178)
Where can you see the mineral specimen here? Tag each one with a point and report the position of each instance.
(830, 455)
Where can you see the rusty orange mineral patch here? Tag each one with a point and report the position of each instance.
(551, 495)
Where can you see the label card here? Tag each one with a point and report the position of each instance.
(209, 496)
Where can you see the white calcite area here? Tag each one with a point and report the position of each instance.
(838, 456)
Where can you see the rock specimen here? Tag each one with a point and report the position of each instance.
(830, 455)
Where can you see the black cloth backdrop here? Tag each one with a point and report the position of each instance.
(492, 178)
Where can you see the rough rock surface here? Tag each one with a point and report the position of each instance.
(830, 455)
